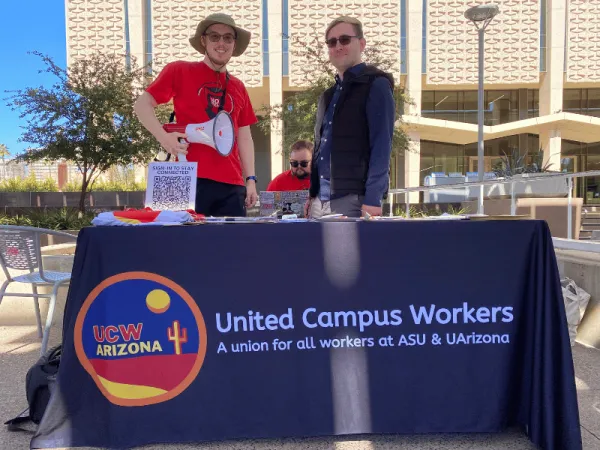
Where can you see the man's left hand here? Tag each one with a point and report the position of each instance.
(371, 210)
(251, 195)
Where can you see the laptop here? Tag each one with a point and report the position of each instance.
(282, 202)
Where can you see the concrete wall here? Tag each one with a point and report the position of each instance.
(552, 210)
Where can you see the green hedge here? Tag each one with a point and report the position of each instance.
(30, 184)
(55, 219)
(108, 186)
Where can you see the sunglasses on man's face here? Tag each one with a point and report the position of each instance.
(343, 39)
(216, 37)
(303, 164)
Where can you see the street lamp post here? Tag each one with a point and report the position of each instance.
(481, 16)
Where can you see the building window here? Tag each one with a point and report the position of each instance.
(446, 106)
(461, 106)
(565, 42)
(581, 157)
(582, 101)
(533, 146)
(427, 104)
(447, 158)
(148, 33)
(503, 107)
(265, 38)
(424, 39)
(285, 43)
(533, 103)
(470, 106)
(127, 37)
(403, 55)
(593, 106)
(572, 100)
(543, 36)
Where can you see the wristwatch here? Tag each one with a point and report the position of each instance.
(252, 177)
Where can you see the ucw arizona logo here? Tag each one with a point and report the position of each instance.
(141, 337)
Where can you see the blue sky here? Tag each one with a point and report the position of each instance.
(27, 25)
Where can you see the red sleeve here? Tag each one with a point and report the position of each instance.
(163, 87)
(247, 116)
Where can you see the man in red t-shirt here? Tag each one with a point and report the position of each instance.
(298, 177)
(200, 90)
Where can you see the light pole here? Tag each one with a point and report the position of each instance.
(481, 16)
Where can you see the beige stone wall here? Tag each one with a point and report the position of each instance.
(94, 26)
(583, 41)
(175, 21)
(512, 42)
(512, 53)
(380, 18)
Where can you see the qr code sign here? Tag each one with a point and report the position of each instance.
(171, 186)
(171, 193)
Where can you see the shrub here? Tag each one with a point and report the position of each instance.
(54, 219)
(108, 186)
(29, 184)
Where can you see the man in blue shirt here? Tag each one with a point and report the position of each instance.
(353, 131)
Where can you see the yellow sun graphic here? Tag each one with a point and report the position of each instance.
(158, 301)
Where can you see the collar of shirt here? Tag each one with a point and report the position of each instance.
(354, 71)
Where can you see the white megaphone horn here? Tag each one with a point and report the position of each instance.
(216, 133)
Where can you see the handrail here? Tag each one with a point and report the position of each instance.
(584, 246)
(513, 208)
(591, 173)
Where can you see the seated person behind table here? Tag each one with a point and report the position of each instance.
(298, 177)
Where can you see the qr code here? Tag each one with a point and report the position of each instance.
(171, 193)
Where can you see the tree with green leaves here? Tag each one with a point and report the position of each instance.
(298, 112)
(86, 117)
(4, 151)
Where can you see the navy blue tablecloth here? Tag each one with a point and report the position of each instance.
(214, 332)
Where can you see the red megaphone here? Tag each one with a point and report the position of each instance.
(216, 133)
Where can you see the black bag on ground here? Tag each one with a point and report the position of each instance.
(37, 387)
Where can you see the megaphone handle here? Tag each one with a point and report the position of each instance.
(180, 156)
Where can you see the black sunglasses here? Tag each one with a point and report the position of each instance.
(299, 163)
(216, 37)
(344, 40)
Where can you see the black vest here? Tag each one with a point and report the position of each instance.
(351, 149)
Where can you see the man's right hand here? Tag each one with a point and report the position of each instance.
(170, 142)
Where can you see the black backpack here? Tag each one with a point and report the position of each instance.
(37, 388)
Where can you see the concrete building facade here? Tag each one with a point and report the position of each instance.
(542, 71)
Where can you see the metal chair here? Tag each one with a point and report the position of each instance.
(20, 249)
